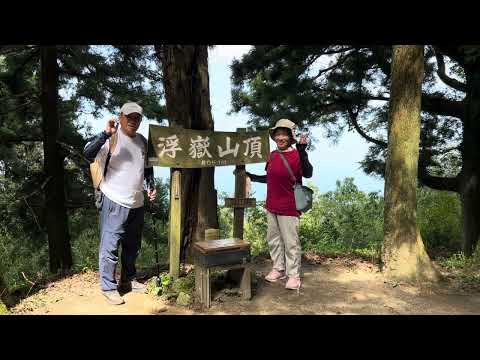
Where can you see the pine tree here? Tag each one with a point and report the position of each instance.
(404, 256)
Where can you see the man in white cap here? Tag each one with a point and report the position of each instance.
(122, 153)
(282, 214)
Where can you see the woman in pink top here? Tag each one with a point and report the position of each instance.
(282, 214)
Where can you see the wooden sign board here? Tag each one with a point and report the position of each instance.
(187, 148)
(240, 203)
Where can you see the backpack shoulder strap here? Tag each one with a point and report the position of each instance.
(143, 139)
(113, 143)
(145, 143)
(287, 165)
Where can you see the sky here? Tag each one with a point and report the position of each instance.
(331, 162)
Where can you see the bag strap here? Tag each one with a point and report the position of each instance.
(288, 166)
(112, 143)
(145, 143)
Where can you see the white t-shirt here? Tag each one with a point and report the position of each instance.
(123, 183)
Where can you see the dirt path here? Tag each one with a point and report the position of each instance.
(335, 286)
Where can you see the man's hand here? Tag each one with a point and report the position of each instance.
(152, 194)
(111, 127)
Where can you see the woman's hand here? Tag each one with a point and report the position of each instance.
(152, 194)
(303, 140)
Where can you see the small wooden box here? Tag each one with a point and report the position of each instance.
(221, 252)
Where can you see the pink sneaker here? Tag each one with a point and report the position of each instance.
(275, 275)
(293, 283)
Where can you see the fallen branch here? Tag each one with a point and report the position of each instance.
(34, 215)
(73, 152)
(31, 287)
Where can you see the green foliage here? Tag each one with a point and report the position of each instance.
(160, 285)
(339, 86)
(169, 289)
(27, 252)
(255, 229)
(166, 280)
(455, 261)
(468, 269)
(184, 284)
(91, 79)
(19, 254)
(225, 217)
(255, 225)
(155, 229)
(343, 221)
(85, 239)
(3, 309)
(439, 219)
(348, 220)
(458, 261)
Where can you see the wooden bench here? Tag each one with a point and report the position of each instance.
(222, 254)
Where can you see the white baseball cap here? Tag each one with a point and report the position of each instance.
(131, 107)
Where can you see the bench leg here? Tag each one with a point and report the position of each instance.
(246, 284)
(206, 287)
(199, 282)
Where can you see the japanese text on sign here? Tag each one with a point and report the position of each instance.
(178, 147)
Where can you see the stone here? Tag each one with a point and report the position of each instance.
(158, 308)
(3, 309)
(183, 299)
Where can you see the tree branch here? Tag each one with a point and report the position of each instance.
(458, 85)
(353, 120)
(339, 62)
(18, 107)
(310, 62)
(15, 49)
(71, 150)
(341, 50)
(6, 139)
(438, 183)
(430, 103)
(453, 52)
(448, 149)
(440, 106)
(380, 55)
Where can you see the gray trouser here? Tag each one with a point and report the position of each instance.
(118, 225)
(284, 244)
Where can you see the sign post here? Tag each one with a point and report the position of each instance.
(177, 148)
(175, 228)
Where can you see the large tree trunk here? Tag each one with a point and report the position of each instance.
(470, 174)
(56, 214)
(186, 83)
(403, 255)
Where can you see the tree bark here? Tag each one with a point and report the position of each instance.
(470, 174)
(403, 255)
(186, 83)
(56, 214)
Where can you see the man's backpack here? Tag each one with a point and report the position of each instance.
(96, 170)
